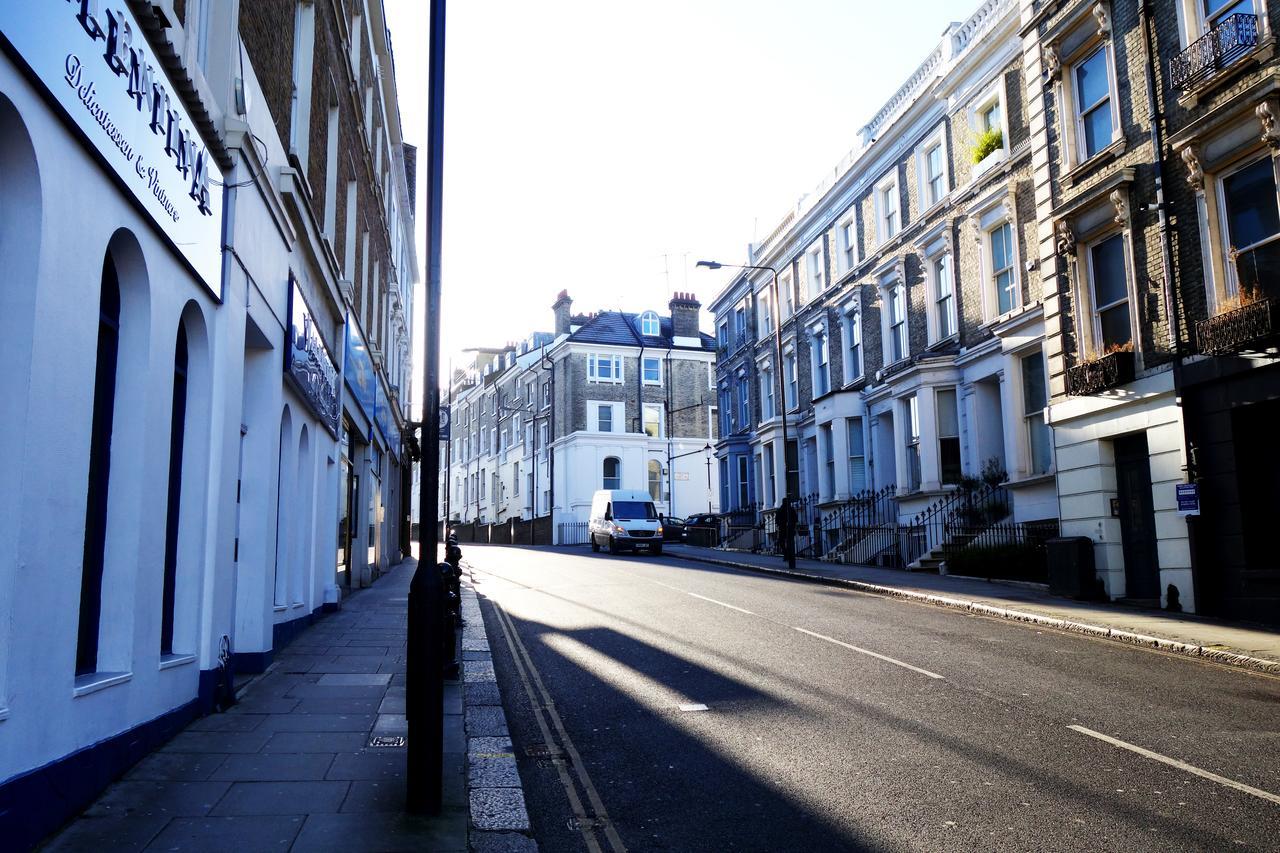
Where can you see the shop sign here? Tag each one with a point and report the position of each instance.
(358, 371)
(386, 421)
(95, 63)
(446, 424)
(1188, 495)
(307, 360)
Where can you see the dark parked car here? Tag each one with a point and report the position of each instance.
(672, 529)
(702, 529)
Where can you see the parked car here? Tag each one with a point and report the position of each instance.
(624, 518)
(672, 528)
(702, 529)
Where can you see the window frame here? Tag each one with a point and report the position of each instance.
(887, 188)
(1080, 110)
(854, 426)
(645, 409)
(936, 141)
(1231, 280)
(604, 476)
(815, 270)
(647, 318)
(617, 368)
(847, 241)
(1014, 288)
(791, 383)
(851, 338)
(896, 330)
(1070, 121)
(1097, 345)
(820, 359)
(1034, 420)
(644, 369)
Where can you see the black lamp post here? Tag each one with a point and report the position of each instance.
(782, 391)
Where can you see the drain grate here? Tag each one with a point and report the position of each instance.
(543, 750)
(387, 740)
(576, 824)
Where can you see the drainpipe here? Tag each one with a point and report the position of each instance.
(1166, 266)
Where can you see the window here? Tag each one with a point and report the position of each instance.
(1005, 283)
(817, 280)
(852, 342)
(820, 352)
(542, 439)
(724, 484)
(484, 440)
(771, 476)
(857, 457)
(744, 403)
(713, 422)
(764, 313)
(766, 393)
(603, 367)
(739, 326)
(935, 180)
(793, 384)
(1034, 398)
(96, 493)
(887, 208)
(726, 411)
(1093, 102)
(515, 480)
(652, 420)
(649, 325)
(546, 395)
(913, 443)
(744, 481)
(722, 335)
(1110, 295)
(652, 371)
(948, 435)
(826, 439)
(655, 479)
(848, 244)
(1252, 223)
(989, 117)
(612, 474)
(484, 480)
(788, 304)
(896, 297)
(604, 417)
(944, 297)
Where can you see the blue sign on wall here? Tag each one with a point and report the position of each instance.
(358, 372)
(386, 421)
(307, 360)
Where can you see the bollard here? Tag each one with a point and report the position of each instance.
(450, 617)
(424, 698)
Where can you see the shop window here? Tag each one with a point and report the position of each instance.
(177, 429)
(97, 490)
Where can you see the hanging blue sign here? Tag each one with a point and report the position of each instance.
(386, 421)
(358, 371)
(307, 361)
(446, 424)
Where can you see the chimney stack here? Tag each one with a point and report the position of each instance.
(562, 308)
(684, 309)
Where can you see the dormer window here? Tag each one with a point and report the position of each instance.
(649, 324)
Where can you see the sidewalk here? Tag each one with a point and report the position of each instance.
(293, 766)
(1239, 645)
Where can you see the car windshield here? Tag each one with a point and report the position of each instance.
(634, 509)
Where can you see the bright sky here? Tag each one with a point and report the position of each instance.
(603, 147)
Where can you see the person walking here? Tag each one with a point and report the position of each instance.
(787, 530)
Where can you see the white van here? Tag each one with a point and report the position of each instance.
(625, 518)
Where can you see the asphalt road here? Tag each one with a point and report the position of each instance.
(837, 720)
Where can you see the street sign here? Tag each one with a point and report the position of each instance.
(446, 420)
(1188, 498)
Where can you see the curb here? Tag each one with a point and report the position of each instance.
(1187, 649)
(498, 819)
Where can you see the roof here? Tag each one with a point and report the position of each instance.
(622, 329)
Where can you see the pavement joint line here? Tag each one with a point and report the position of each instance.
(1233, 659)
(861, 650)
(1181, 765)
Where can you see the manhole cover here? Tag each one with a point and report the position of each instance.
(387, 740)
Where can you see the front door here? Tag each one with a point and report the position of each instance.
(1137, 519)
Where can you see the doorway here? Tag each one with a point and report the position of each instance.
(1137, 520)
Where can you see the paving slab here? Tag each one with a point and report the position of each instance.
(485, 720)
(382, 831)
(329, 742)
(282, 798)
(285, 767)
(176, 767)
(242, 834)
(132, 798)
(498, 808)
(115, 834)
(224, 742)
(372, 764)
(318, 723)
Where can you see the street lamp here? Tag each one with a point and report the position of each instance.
(782, 391)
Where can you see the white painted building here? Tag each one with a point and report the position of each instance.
(173, 323)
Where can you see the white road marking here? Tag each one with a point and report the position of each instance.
(863, 651)
(1181, 765)
(694, 706)
(721, 603)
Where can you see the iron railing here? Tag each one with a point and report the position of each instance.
(849, 522)
(966, 511)
(1230, 39)
(1233, 331)
(1093, 377)
(1009, 550)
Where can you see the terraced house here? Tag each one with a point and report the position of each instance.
(612, 400)
(911, 323)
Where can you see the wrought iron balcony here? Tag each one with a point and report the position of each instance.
(1094, 377)
(1230, 39)
(1233, 331)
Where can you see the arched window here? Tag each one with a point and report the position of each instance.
(655, 479)
(649, 324)
(612, 473)
(95, 514)
(177, 429)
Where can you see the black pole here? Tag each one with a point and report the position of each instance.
(424, 679)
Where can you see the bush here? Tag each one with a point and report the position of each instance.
(989, 140)
(1020, 562)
